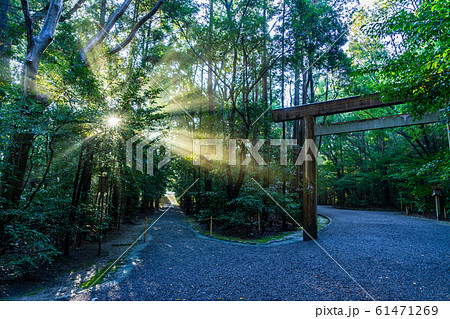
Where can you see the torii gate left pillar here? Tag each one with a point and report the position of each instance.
(310, 184)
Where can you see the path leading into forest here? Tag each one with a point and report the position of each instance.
(393, 257)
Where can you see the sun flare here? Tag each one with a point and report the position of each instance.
(113, 121)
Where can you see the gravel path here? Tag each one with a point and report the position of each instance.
(393, 257)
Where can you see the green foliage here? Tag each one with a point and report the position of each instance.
(396, 49)
(385, 168)
(418, 67)
(28, 246)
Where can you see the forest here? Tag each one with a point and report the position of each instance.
(91, 90)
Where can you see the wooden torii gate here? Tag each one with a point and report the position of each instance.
(309, 112)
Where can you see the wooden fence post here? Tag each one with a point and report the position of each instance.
(210, 226)
(145, 228)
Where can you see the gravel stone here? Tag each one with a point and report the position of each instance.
(392, 256)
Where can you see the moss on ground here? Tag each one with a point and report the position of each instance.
(32, 293)
(100, 275)
(322, 221)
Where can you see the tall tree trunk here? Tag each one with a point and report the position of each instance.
(311, 82)
(81, 187)
(6, 192)
(283, 190)
(14, 172)
(232, 125)
(265, 97)
(210, 71)
(208, 163)
(304, 78)
(297, 132)
(5, 44)
(103, 13)
(19, 149)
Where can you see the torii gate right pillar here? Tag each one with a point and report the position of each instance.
(310, 184)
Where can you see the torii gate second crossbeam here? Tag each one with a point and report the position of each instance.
(309, 112)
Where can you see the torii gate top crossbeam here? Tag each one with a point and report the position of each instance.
(347, 104)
